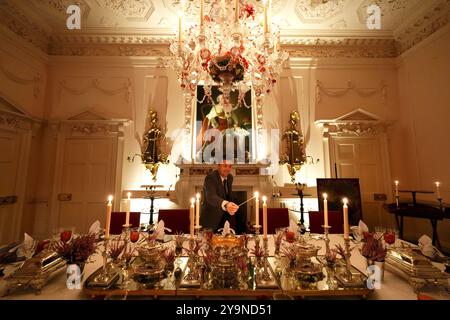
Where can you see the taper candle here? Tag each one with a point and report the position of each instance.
(197, 210)
(396, 188)
(257, 208)
(346, 228)
(127, 216)
(438, 193)
(191, 218)
(264, 199)
(108, 216)
(325, 210)
(236, 11)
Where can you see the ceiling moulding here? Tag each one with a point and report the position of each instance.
(432, 21)
(137, 50)
(18, 22)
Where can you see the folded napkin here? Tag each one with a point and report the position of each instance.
(427, 248)
(293, 227)
(95, 227)
(27, 248)
(161, 230)
(362, 227)
(226, 228)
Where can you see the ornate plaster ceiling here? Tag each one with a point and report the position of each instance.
(140, 27)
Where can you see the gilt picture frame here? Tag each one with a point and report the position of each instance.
(235, 125)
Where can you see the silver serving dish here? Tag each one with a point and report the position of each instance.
(149, 266)
(35, 272)
(305, 251)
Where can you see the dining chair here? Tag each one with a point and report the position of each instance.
(335, 220)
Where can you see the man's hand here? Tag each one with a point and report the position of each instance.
(231, 207)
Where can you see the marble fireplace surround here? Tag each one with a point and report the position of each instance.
(247, 177)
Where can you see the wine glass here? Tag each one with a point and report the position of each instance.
(134, 235)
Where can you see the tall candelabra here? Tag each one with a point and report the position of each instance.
(326, 230)
(192, 275)
(106, 277)
(348, 279)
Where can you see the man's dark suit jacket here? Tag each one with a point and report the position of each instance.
(212, 215)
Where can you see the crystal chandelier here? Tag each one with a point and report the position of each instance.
(230, 47)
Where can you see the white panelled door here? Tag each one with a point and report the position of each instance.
(87, 178)
(10, 145)
(362, 157)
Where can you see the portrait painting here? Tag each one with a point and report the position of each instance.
(223, 126)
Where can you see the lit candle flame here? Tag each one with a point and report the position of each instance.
(325, 196)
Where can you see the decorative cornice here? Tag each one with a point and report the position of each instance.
(154, 42)
(343, 51)
(94, 128)
(20, 24)
(136, 50)
(435, 18)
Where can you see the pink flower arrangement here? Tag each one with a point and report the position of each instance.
(78, 249)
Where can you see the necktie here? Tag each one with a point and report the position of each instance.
(225, 188)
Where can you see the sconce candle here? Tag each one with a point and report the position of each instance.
(108, 216)
(346, 228)
(264, 199)
(325, 210)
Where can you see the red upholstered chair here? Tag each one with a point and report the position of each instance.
(175, 219)
(118, 220)
(335, 220)
(276, 218)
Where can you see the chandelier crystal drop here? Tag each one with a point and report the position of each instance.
(230, 47)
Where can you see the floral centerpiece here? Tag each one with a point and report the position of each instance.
(76, 249)
(227, 68)
(373, 249)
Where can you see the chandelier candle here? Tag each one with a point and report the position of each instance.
(264, 199)
(325, 210)
(191, 219)
(266, 25)
(346, 228)
(197, 210)
(108, 216)
(201, 13)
